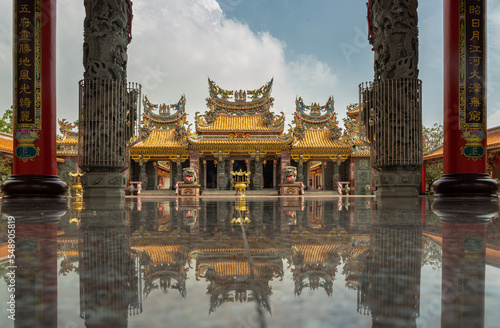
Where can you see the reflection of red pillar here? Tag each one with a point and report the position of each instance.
(36, 274)
(34, 171)
(464, 146)
(423, 184)
(463, 274)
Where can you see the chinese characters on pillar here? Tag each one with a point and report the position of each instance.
(27, 75)
(472, 77)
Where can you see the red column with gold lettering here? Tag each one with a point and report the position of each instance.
(34, 171)
(465, 153)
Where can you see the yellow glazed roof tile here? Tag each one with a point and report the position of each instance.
(225, 123)
(236, 268)
(159, 254)
(438, 153)
(68, 141)
(6, 144)
(493, 138)
(318, 139)
(318, 253)
(160, 139)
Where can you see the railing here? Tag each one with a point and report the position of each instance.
(391, 114)
(108, 115)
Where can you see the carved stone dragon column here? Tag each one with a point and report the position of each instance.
(300, 171)
(143, 176)
(392, 103)
(336, 173)
(107, 105)
(178, 169)
(257, 178)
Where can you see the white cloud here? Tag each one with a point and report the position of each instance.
(311, 77)
(192, 40)
(5, 55)
(176, 45)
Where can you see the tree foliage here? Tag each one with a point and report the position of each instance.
(432, 139)
(6, 121)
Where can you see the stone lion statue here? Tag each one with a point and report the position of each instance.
(189, 176)
(290, 174)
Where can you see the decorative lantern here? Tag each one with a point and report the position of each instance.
(275, 162)
(246, 161)
(232, 161)
(204, 162)
(265, 162)
(215, 162)
(326, 163)
(154, 163)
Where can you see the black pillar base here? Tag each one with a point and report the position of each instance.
(33, 210)
(42, 186)
(465, 209)
(465, 185)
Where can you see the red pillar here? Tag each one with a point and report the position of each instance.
(465, 154)
(34, 171)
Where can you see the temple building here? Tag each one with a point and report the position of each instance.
(239, 131)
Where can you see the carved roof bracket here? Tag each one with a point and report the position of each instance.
(141, 159)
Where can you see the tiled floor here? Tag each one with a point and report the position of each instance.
(262, 260)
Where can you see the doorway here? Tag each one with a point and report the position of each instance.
(211, 176)
(268, 174)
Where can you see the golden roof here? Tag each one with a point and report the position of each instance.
(227, 123)
(493, 138)
(160, 139)
(236, 268)
(319, 253)
(4, 251)
(6, 143)
(318, 139)
(69, 253)
(438, 153)
(68, 141)
(159, 254)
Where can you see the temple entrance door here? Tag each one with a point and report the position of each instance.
(267, 174)
(239, 165)
(211, 175)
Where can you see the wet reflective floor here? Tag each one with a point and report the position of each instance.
(254, 262)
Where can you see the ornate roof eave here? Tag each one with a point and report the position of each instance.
(324, 119)
(215, 91)
(259, 98)
(233, 108)
(248, 138)
(315, 111)
(164, 117)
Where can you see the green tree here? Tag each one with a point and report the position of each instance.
(6, 121)
(432, 139)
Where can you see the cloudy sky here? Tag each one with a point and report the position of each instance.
(313, 49)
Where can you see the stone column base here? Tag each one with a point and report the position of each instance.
(103, 184)
(397, 184)
(42, 186)
(465, 185)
